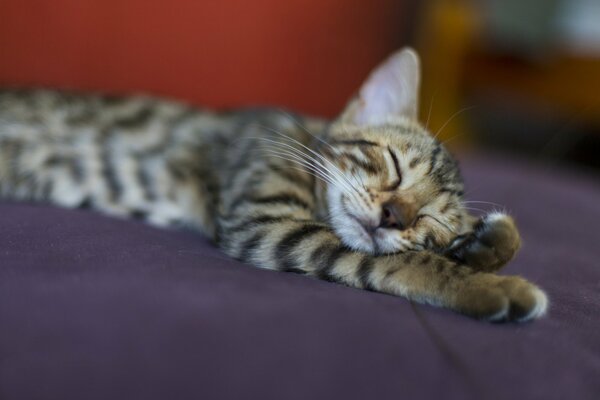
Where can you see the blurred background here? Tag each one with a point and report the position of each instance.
(511, 76)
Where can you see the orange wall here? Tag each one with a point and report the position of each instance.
(306, 54)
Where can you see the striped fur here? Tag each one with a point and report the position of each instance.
(377, 208)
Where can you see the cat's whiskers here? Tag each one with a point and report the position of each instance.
(481, 202)
(429, 112)
(310, 173)
(356, 201)
(336, 171)
(450, 119)
(283, 149)
(335, 167)
(299, 152)
(449, 228)
(295, 120)
(359, 178)
(308, 170)
(307, 157)
(475, 209)
(307, 167)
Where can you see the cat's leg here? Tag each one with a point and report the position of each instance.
(311, 248)
(490, 243)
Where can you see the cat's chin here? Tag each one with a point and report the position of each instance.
(355, 236)
(378, 242)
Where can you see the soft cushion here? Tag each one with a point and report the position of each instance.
(98, 308)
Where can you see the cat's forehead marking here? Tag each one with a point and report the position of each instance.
(354, 142)
(413, 162)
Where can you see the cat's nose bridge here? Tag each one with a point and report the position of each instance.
(399, 213)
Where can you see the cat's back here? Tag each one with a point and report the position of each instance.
(63, 113)
(136, 156)
(130, 156)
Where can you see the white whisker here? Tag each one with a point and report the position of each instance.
(297, 160)
(441, 223)
(290, 116)
(429, 112)
(450, 119)
(317, 163)
(314, 165)
(339, 172)
(482, 202)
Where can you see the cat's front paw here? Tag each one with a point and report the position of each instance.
(502, 298)
(493, 242)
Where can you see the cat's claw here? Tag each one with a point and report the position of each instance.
(493, 242)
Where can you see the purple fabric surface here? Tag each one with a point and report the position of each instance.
(97, 308)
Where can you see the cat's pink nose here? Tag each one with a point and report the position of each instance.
(396, 216)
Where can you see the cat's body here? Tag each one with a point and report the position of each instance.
(370, 200)
(135, 157)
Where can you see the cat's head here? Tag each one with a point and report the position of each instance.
(392, 186)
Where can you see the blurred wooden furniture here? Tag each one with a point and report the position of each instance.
(457, 60)
(444, 37)
(568, 83)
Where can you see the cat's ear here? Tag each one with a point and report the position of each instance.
(391, 90)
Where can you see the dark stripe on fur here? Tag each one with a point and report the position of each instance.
(72, 164)
(325, 257)
(47, 189)
(425, 260)
(296, 178)
(256, 221)
(145, 182)
(358, 142)
(409, 256)
(287, 199)
(364, 271)
(12, 154)
(440, 265)
(396, 165)
(443, 282)
(114, 186)
(137, 119)
(413, 163)
(249, 245)
(86, 204)
(407, 259)
(286, 245)
(140, 215)
(433, 159)
(454, 192)
(367, 166)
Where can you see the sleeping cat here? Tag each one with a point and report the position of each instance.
(370, 200)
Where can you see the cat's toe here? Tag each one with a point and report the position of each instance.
(489, 304)
(540, 308)
(525, 300)
(482, 257)
(496, 241)
(503, 298)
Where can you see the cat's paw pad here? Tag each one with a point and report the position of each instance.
(504, 298)
(494, 242)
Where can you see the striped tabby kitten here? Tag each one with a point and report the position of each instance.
(370, 200)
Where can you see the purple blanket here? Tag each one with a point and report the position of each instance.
(97, 308)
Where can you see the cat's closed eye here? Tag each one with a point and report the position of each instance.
(398, 181)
